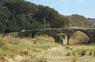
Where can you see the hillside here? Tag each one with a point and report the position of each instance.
(78, 21)
(91, 20)
(17, 15)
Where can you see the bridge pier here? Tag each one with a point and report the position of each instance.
(65, 40)
(62, 38)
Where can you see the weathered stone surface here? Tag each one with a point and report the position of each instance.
(78, 38)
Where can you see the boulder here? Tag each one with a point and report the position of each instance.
(78, 38)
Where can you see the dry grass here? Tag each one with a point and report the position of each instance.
(76, 54)
(44, 50)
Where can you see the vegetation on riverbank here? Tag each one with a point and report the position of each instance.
(43, 49)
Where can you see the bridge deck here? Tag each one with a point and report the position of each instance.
(62, 29)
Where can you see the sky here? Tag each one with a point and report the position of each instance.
(69, 7)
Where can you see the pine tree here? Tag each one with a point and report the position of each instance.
(45, 23)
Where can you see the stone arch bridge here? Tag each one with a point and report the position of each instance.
(56, 33)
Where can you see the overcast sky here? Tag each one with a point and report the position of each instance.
(68, 7)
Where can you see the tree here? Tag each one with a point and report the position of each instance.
(12, 25)
(3, 1)
(45, 24)
(21, 21)
(16, 15)
(5, 14)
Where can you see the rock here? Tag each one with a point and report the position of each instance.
(78, 38)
